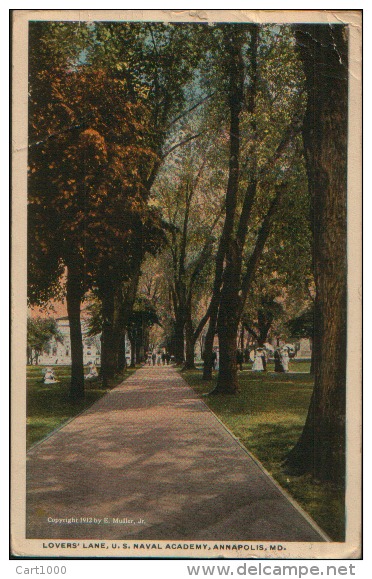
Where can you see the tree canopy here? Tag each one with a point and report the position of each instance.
(178, 180)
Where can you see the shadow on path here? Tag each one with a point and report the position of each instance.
(150, 461)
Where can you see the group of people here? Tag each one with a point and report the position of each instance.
(281, 359)
(158, 358)
(259, 357)
(50, 378)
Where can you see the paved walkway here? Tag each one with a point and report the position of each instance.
(150, 461)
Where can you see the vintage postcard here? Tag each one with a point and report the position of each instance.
(186, 290)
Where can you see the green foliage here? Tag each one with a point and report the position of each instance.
(88, 168)
(156, 60)
(94, 319)
(302, 326)
(143, 316)
(39, 333)
(110, 106)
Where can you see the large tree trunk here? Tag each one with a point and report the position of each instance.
(264, 323)
(108, 340)
(230, 303)
(208, 343)
(235, 64)
(74, 296)
(190, 344)
(241, 339)
(323, 50)
(228, 323)
(146, 341)
(179, 339)
(122, 359)
(139, 347)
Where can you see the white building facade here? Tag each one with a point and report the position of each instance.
(59, 351)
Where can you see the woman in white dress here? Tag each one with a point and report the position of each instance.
(92, 372)
(285, 359)
(257, 364)
(49, 377)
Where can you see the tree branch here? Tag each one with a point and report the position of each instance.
(201, 325)
(260, 244)
(173, 121)
(251, 331)
(204, 252)
(183, 142)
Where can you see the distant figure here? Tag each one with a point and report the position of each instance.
(163, 358)
(264, 358)
(217, 364)
(278, 362)
(149, 358)
(167, 358)
(214, 359)
(285, 358)
(49, 377)
(153, 358)
(240, 359)
(92, 372)
(258, 364)
(158, 359)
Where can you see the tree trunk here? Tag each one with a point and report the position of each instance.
(228, 324)
(190, 345)
(323, 50)
(132, 341)
(139, 349)
(146, 341)
(264, 323)
(208, 344)
(74, 296)
(241, 346)
(230, 303)
(235, 64)
(108, 348)
(122, 359)
(179, 340)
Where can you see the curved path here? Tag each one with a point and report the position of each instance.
(149, 460)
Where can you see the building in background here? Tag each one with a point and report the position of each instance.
(59, 350)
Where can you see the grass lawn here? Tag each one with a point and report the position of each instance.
(267, 416)
(48, 406)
